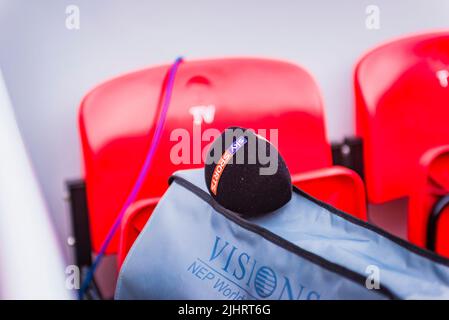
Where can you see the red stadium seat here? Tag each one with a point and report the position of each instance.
(431, 186)
(402, 94)
(133, 222)
(338, 186)
(117, 122)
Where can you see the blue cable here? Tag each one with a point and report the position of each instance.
(140, 180)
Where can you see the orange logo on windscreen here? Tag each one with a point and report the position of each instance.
(227, 155)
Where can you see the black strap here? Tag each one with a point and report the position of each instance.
(432, 223)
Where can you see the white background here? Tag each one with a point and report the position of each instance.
(48, 68)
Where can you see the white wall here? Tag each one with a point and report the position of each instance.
(30, 264)
(48, 68)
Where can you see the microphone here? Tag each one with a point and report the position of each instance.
(246, 174)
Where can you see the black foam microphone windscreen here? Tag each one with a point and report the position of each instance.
(246, 174)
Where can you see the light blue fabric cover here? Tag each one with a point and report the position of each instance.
(188, 250)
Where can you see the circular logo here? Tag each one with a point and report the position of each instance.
(265, 282)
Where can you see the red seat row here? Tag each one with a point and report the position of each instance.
(402, 112)
(401, 98)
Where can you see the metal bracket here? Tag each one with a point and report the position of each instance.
(80, 223)
(432, 223)
(349, 153)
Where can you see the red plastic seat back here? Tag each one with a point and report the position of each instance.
(117, 121)
(402, 99)
(338, 186)
(431, 185)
